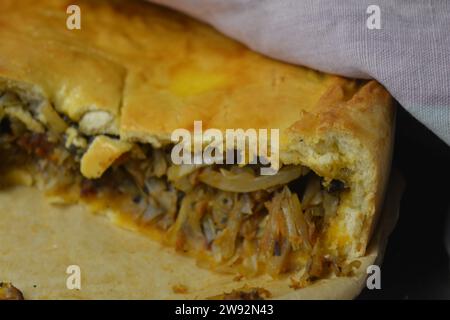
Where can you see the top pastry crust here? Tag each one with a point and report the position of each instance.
(139, 71)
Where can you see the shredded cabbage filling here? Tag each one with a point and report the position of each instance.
(229, 217)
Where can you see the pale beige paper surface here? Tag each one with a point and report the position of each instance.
(39, 241)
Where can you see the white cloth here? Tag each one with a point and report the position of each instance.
(409, 55)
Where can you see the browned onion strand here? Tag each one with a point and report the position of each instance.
(225, 243)
(247, 182)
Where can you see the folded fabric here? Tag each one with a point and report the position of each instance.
(409, 54)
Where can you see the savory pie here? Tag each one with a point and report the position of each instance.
(87, 115)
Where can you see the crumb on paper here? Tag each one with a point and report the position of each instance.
(9, 292)
(300, 283)
(238, 277)
(179, 289)
(244, 293)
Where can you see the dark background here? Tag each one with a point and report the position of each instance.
(416, 263)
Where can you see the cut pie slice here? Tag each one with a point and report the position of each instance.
(88, 114)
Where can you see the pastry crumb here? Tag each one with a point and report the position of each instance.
(179, 289)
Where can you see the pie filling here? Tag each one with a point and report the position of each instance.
(228, 217)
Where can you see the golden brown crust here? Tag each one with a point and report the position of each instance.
(142, 71)
(102, 152)
(349, 137)
(165, 69)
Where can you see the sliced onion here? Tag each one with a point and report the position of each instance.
(159, 163)
(247, 204)
(290, 219)
(330, 204)
(248, 183)
(151, 212)
(225, 241)
(182, 217)
(301, 223)
(209, 229)
(176, 172)
(312, 195)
